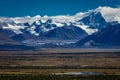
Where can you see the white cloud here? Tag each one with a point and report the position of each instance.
(63, 18)
(28, 19)
(110, 14)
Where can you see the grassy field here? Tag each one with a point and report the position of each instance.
(56, 77)
(46, 62)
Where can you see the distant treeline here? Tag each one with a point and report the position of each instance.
(57, 67)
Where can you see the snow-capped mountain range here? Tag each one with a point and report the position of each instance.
(62, 27)
(15, 24)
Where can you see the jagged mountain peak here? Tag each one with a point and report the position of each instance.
(94, 20)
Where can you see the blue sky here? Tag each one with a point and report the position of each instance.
(13, 8)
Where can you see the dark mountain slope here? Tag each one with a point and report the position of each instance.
(108, 36)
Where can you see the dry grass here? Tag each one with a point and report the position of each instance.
(46, 58)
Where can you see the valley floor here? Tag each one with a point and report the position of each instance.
(49, 61)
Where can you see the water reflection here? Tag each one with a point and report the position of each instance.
(77, 73)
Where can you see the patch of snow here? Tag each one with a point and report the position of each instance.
(58, 24)
(87, 29)
(37, 17)
(37, 22)
(14, 28)
(43, 29)
(32, 30)
(44, 19)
